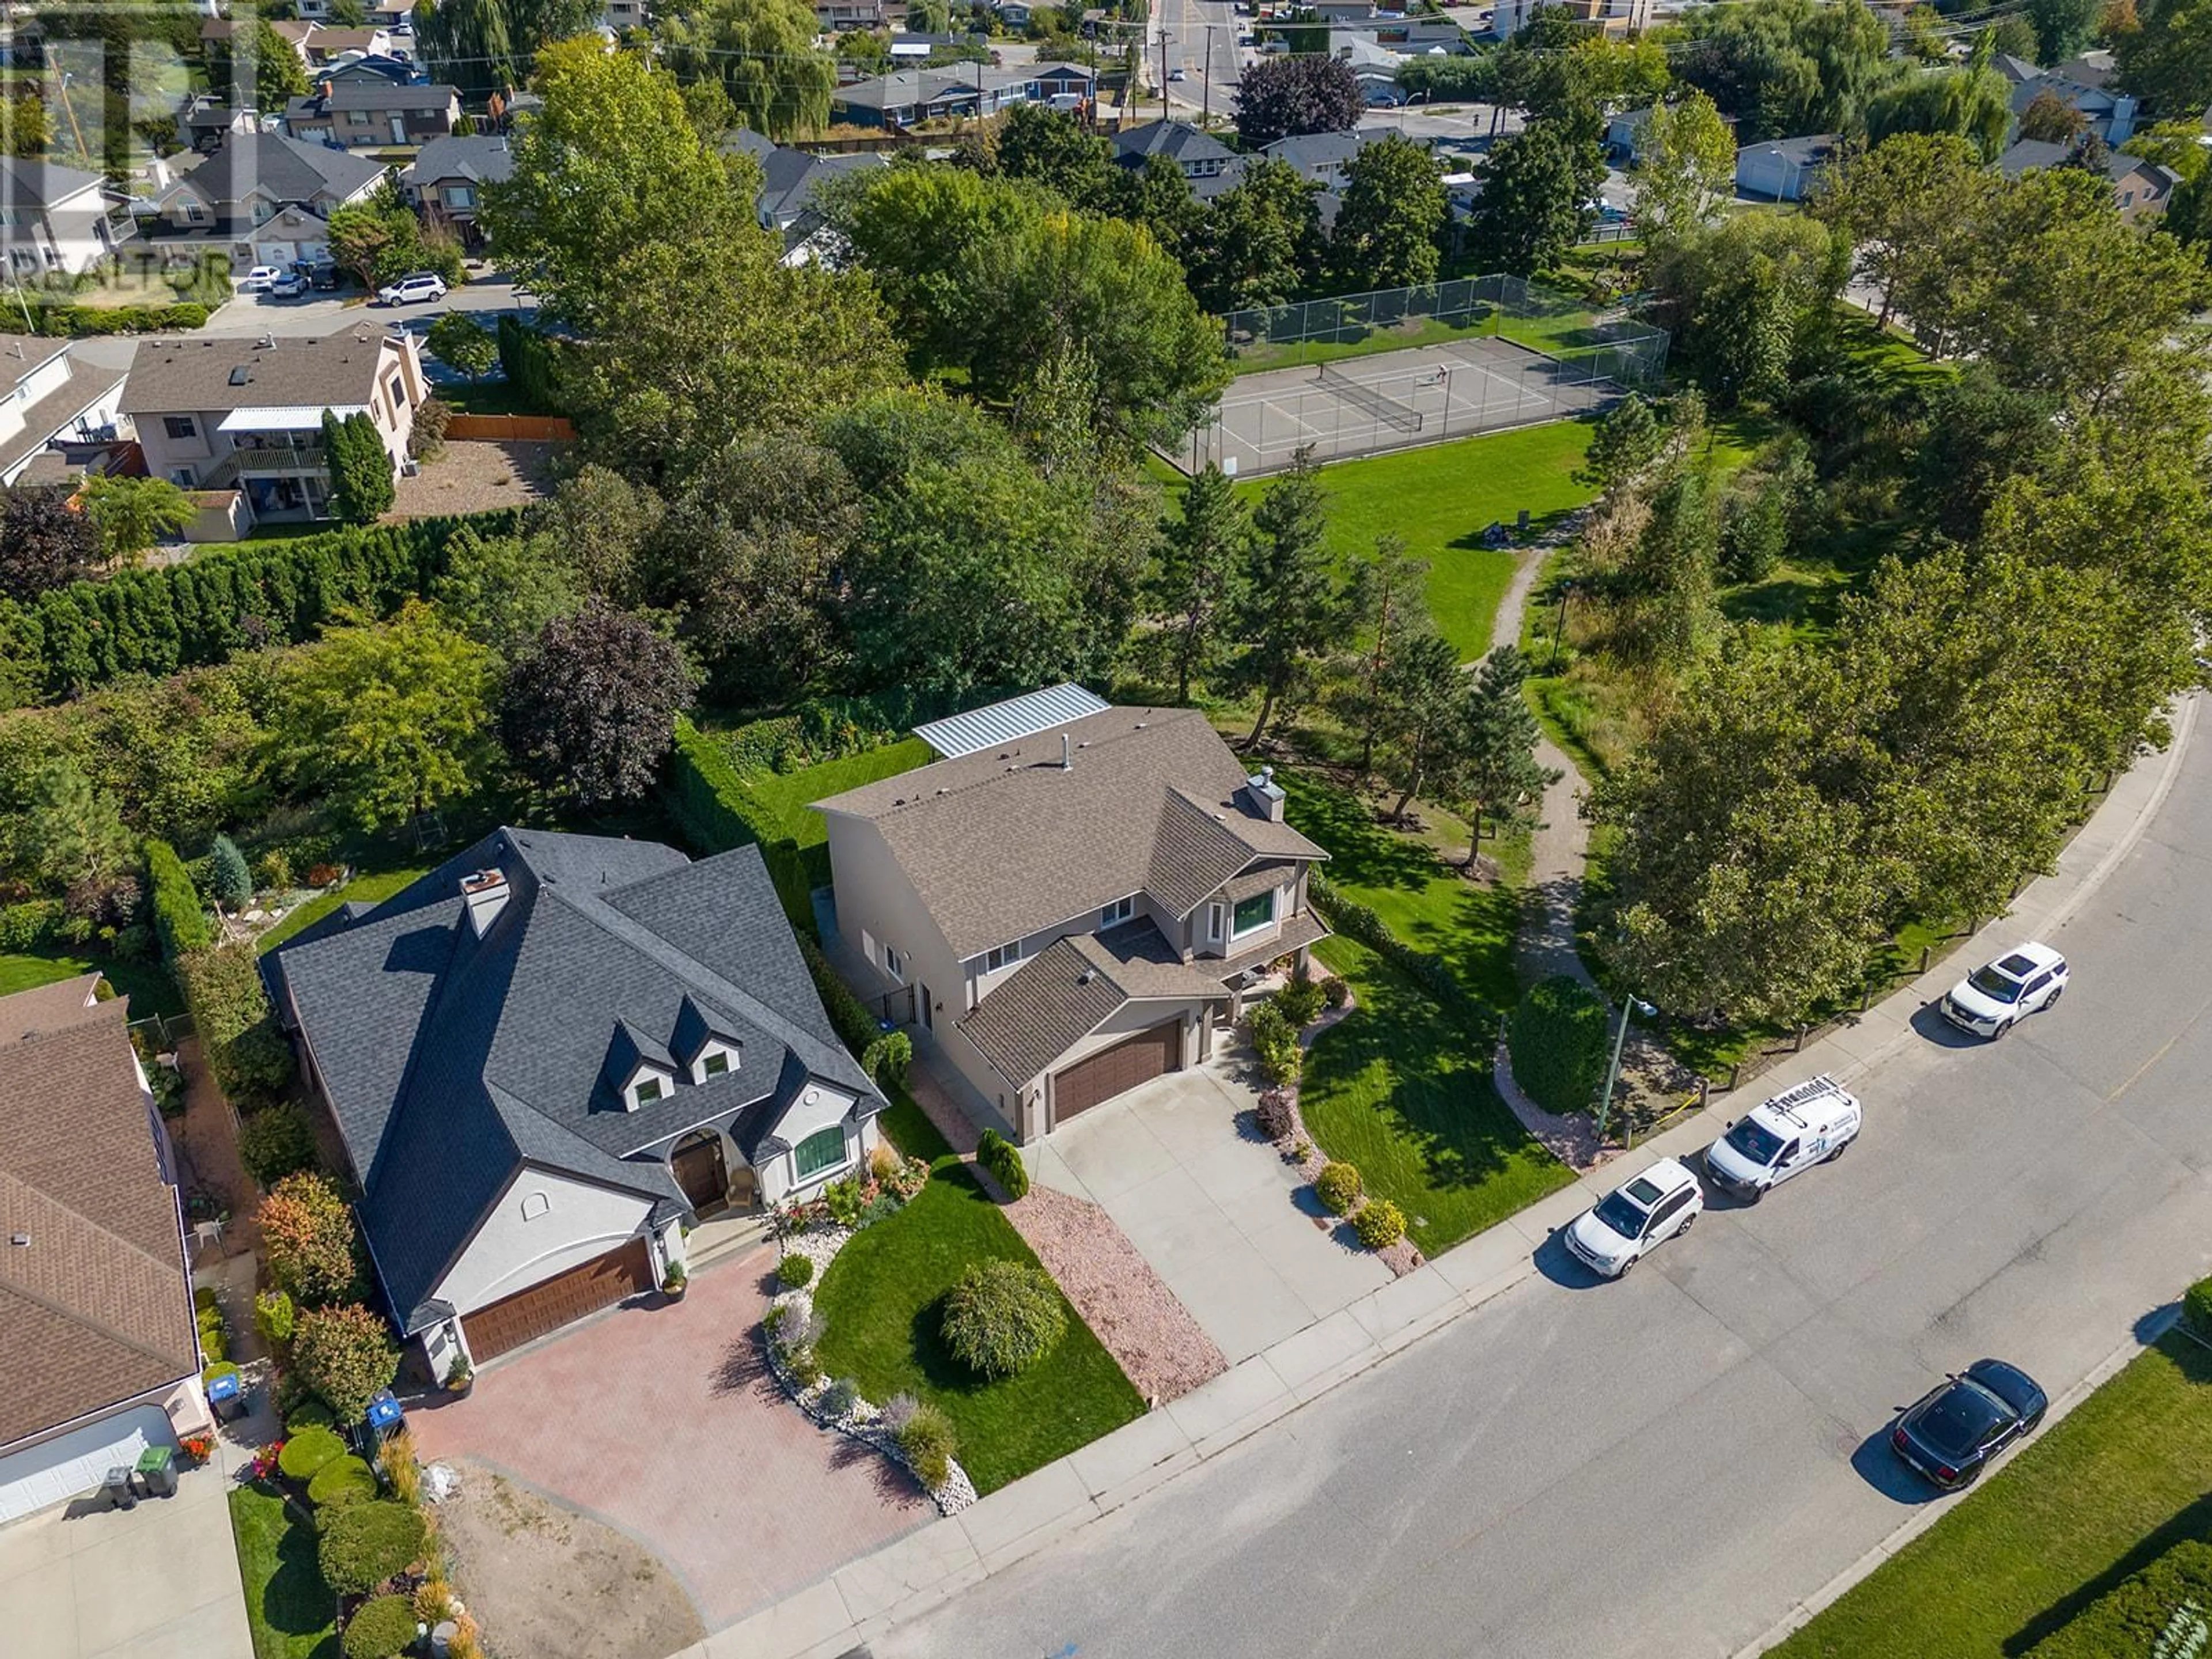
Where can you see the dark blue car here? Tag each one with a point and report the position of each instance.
(1955, 1430)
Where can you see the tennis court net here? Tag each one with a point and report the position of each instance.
(1362, 396)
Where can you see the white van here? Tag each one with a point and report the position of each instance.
(1782, 1137)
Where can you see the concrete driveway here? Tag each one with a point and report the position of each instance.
(1214, 1209)
(662, 1421)
(161, 1579)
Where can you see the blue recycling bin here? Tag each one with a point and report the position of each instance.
(384, 1414)
(227, 1395)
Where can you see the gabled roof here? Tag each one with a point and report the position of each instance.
(96, 1307)
(485, 159)
(452, 1060)
(1069, 989)
(370, 95)
(1004, 843)
(791, 177)
(289, 169)
(1308, 150)
(204, 372)
(1179, 141)
(2028, 153)
(2018, 71)
(26, 184)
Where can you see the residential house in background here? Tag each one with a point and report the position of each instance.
(205, 121)
(246, 415)
(842, 16)
(1066, 904)
(49, 399)
(320, 45)
(2139, 188)
(103, 1357)
(2083, 83)
(912, 96)
(549, 1057)
(1210, 166)
(447, 179)
(789, 180)
(1322, 157)
(1624, 134)
(54, 218)
(374, 113)
(263, 199)
(1783, 169)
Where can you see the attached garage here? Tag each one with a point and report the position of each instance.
(56, 1470)
(1151, 1053)
(552, 1303)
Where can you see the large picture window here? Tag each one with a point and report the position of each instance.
(822, 1150)
(1252, 913)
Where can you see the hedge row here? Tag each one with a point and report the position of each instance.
(2165, 1609)
(221, 602)
(855, 1025)
(1357, 922)
(717, 811)
(84, 322)
(180, 919)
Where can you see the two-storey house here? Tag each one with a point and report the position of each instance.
(262, 198)
(1067, 903)
(374, 113)
(446, 179)
(49, 397)
(53, 218)
(1210, 166)
(246, 415)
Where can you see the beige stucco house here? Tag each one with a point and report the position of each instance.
(1072, 901)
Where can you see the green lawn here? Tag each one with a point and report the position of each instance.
(2124, 1476)
(366, 888)
(148, 984)
(790, 794)
(880, 1300)
(1362, 342)
(288, 1607)
(1401, 1091)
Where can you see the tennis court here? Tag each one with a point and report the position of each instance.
(1364, 406)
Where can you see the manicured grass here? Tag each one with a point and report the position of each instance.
(791, 794)
(1401, 1089)
(147, 984)
(366, 888)
(880, 1302)
(910, 1128)
(289, 1609)
(495, 396)
(2123, 1477)
(1395, 336)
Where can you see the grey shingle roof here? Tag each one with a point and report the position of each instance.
(1004, 843)
(290, 169)
(790, 178)
(450, 1061)
(371, 95)
(172, 375)
(28, 184)
(1068, 990)
(1178, 140)
(486, 160)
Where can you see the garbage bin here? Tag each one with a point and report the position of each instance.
(116, 1490)
(157, 1468)
(226, 1394)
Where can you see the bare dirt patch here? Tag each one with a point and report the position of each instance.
(478, 475)
(546, 1583)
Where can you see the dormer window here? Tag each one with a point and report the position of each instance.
(717, 1059)
(645, 1087)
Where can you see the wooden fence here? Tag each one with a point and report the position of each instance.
(510, 429)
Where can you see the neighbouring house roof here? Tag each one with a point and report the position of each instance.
(2018, 71)
(1070, 988)
(172, 375)
(24, 354)
(452, 1060)
(2088, 69)
(1009, 721)
(1004, 843)
(26, 184)
(1179, 141)
(97, 1307)
(927, 85)
(86, 386)
(1310, 150)
(289, 169)
(1809, 151)
(374, 95)
(790, 178)
(745, 142)
(2028, 153)
(486, 160)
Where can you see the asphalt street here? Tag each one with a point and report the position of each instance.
(1665, 1466)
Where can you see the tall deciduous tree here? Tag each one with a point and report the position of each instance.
(1532, 207)
(1685, 172)
(1199, 581)
(1390, 232)
(501, 590)
(1782, 68)
(1744, 297)
(2049, 119)
(1501, 779)
(461, 343)
(764, 52)
(2166, 60)
(1051, 148)
(1261, 243)
(1970, 102)
(588, 711)
(1286, 96)
(1906, 207)
(276, 72)
(468, 44)
(1293, 607)
(132, 513)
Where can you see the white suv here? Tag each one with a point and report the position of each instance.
(1992, 1000)
(1615, 1234)
(1782, 1137)
(423, 285)
(257, 279)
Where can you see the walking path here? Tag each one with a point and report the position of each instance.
(930, 1565)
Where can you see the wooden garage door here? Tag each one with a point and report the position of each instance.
(1135, 1059)
(551, 1303)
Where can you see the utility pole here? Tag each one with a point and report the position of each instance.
(1205, 83)
(1632, 1006)
(1163, 74)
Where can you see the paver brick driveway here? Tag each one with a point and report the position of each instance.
(663, 1421)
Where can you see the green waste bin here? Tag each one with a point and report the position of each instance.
(157, 1470)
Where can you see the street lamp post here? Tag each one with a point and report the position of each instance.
(1559, 623)
(1634, 1005)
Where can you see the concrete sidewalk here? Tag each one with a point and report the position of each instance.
(929, 1566)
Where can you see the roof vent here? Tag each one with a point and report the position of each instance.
(21, 1240)
(1066, 753)
(485, 892)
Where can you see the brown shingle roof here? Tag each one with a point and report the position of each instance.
(53, 1007)
(1068, 989)
(96, 1307)
(171, 376)
(1004, 843)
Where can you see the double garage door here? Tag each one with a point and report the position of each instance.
(552, 1303)
(1140, 1058)
(57, 1470)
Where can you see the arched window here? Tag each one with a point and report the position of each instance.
(534, 1205)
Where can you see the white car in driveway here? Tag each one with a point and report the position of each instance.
(289, 286)
(1621, 1228)
(1992, 1000)
(423, 285)
(259, 279)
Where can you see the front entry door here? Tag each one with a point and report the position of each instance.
(698, 1170)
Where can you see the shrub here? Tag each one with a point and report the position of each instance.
(795, 1271)
(926, 1441)
(1275, 1040)
(1276, 1119)
(341, 1481)
(1300, 1001)
(1336, 991)
(232, 882)
(1337, 1185)
(402, 1472)
(887, 1058)
(844, 1201)
(307, 1412)
(345, 1354)
(364, 1544)
(1004, 1160)
(308, 1452)
(272, 1317)
(307, 1236)
(207, 1315)
(432, 417)
(1381, 1223)
(275, 1142)
(273, 869)
(27, 926)
(1002, 1317)
(381, 1627)
(837, 1399)
(2197, 1307)
(1558, 1039)
(434, 1599)
(180, 921)
(220, 1368)
(898, 1412)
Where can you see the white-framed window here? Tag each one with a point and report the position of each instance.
(819, 1153)
(649, 1089)
(460, 196)
(1005, 956)
(714, 1062)
(717, 1059)
(894, 964)
(180, 426)
(1252, 913)
(1215, 914)
(1119, 910)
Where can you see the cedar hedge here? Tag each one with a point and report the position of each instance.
(2159, 1611)
(1558, 1039)
(364, 1544)
(1359, 921)
(717, 811)
(380, 1627)
(221, 602)
(2197, 1307)
(856, 1026)
(180, 919)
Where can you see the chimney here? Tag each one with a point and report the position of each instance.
(1066, 753)
(485, 893)
(1263, 796)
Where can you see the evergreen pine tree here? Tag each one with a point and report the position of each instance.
(232, 881)
(1502, 777)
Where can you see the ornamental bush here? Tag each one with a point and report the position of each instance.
(1274, 1116)
(926, 1439)
(1337, 1185)
(308, 1235)
(2197, 1307)
(273, 1317)
(795, 1271)
(342, 1480)
(1558, 1039)
(1002, 1317)
(1275, 1040)
(1300, 1001)
(232, 880)
(380, 1627)
(1381, 1223)
(2159, 1612)
(275, 1142)
(309, 1452)
(887, 1058)
(345, 1354)
(1004, 1160)
(364, 1544)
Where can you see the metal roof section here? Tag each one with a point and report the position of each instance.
(1009, 721)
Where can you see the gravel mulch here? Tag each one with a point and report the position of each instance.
(1149, 1333)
